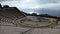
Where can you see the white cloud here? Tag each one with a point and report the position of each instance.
(31, 4)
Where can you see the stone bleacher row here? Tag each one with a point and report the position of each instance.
(5, 20)
(9, 17)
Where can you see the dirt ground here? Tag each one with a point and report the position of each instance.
(21, 30)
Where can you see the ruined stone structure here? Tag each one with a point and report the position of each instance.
(8, 15)
(13, 16)
(0, 6)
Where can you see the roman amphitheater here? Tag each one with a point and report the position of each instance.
(14, 21)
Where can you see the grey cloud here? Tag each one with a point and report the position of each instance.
(48, 1)
(39, 1)
(9, 0)
(5, 0)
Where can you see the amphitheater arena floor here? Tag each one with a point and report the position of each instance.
(19, 30)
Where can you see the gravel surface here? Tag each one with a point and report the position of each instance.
(19, 30)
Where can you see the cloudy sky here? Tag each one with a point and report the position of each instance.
(51, 7)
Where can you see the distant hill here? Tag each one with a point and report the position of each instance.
(42, 15)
